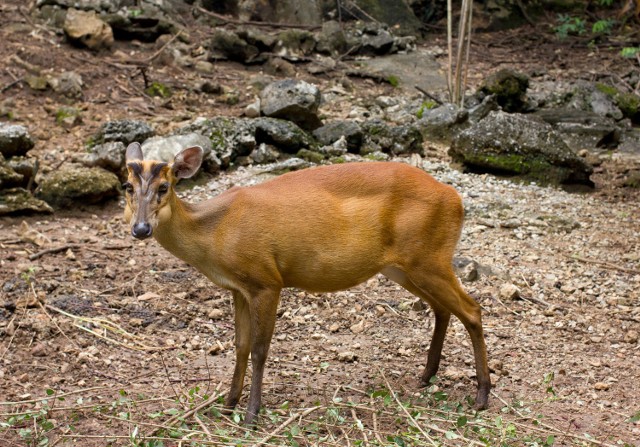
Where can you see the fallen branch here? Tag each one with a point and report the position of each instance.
(609, 265)
(286, 423)
(427, 94)
(48, 251)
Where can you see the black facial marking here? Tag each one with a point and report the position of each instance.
(156, 168)
(135, 167)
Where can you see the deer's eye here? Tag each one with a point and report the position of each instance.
(163, 188)
(128, 187)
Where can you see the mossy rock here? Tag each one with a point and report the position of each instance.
(311, 156)
(76, 186)
(16, 201)
(628, 103)
(509, 88)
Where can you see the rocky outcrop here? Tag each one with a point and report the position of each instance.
(74, 186)
(292, 100)
(514, 144)
(85, 28)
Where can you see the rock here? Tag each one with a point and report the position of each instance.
(509, 88)
(77, 186)
(109, 156)
(335, 149)
(376, 43)
(293, 44)
(39, 350)
(419, 305)
(230, 137)
(8, 176)
(215, 314)
(509, 292)
(14, 140)
(310, 156)
(398, 15)
(166, 148)
(480, 111)
(380, 136)
(253, 109)
(20, 201)
(442, 123)
(293, 100)
(288, 165)
(513, 144)
(87, 29)
(358, 327)
(68, 83)
(333, 131)
(581, 129)
(147, 25)
(284, 135)
(264, 153)
(347, 356)
(125, 131)
(229, 45)
(601, 386)
(26, 167)
(280, 68)
(331, 40)
(68, 117)
(631, 337)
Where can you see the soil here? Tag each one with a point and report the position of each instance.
(106, 320)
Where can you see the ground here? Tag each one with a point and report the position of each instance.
(105, 339)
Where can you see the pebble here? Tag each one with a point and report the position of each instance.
(509, 292)
(347, 356)
(601, 386)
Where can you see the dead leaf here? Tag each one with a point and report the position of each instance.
(28, 234)
(148, 296)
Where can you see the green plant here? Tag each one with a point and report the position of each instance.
(426, 105)
(158, 89)
(393, 80)
(603, 26)
(630, 52)
(569, 25)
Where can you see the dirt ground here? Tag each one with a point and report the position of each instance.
(118, 330)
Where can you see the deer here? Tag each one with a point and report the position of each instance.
(350, 221)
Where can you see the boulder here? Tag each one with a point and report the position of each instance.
(75, 186)
(85, 28)
(333, 131)
(581, 129)
(14, 140)
(68, 83)
(147, 24)
(441, 123)
(166, 148)
(509, 88)
(20, 201)
(380, 136)
(26, 167)
(125, 131)
(8, 176)
(514, 144)
(284, 135)
(229, 45)
(292, 100)
(109, 156)
(293, 44)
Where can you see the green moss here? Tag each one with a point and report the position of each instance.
(158, 89)
(393, 80)
(376, 156)
(426, 105)
(513, 164)
(313, 157)
(67, 116)
(628, 103)
(217, 139)
(337, 160)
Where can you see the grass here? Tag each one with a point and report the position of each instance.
(350, 417)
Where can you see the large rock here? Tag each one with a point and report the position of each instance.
(14, 140)
(20, 201)
(109, 156)
(125, 131)
(8, 176)
(24, 166)
(514, 144)
(78, 185)
(292, 100)
(229, 45)
(86, 28)
(509, 88)
(581, 129)
(382, 137)
(441, 123)
(166, 148)
(284, 135)
(333, 131)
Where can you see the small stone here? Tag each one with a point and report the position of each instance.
(358, 327)
(347, 356)
(419, 305)
(215, 314)
(380, 311)
(335, 327)
(253, 109)
(631, 337)
(215, 348)
(509, 292)
(39, 350)
(601, 386)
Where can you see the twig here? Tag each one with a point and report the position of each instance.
(33, 401)
(359, 425)
(40, 254)
(427, 94)
(415, 423)
(286, 423)
(11, 84)
(374, 417)
(606, 264)
(189, 413)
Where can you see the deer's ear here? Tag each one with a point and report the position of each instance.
(187, 162)
(134, 152)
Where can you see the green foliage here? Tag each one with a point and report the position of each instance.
(393, 80)
(158, 89)
(426, 105)
(603, 26)
(630, 52)
(569, 26)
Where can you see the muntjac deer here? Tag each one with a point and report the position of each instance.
(321, 230)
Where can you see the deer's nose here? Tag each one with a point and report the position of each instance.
(141, 230)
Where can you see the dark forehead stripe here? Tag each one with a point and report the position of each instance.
(135, 167)
(156, 168)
